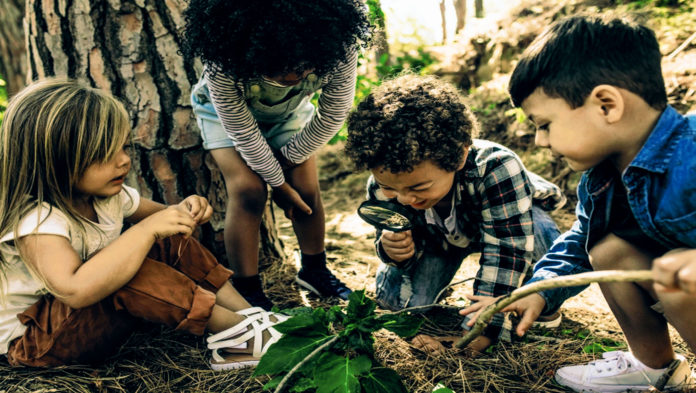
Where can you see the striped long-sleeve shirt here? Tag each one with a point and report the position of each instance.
(335, 101)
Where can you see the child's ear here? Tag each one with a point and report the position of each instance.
(465, 155)
(608, 101)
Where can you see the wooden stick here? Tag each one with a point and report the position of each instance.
(564, 281)
(681, 47)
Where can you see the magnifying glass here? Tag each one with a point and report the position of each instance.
(387, 215)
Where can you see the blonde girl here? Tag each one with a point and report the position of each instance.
(73, 287)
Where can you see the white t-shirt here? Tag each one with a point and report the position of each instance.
(22, 289)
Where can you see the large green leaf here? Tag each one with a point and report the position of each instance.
(338, 374)
(273, 383)
(297, 324)
(359, 306)
(358, 341)
(402, 324)
(303, 384)
(298, 384)
(382, 380)
(289, 351)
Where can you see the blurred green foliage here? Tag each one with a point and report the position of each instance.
(638, 4)
(388, 66)
(375, 13)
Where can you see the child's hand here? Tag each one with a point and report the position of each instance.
(438, 345)
(198, 207)
(288, 199)
(676, 271)
(173, 220)
(528, 309)
(398, 245)
(478, 304)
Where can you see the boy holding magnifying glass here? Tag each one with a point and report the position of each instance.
(462, 196)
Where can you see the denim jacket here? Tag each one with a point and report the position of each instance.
(661, 186)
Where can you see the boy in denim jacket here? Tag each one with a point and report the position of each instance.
(593, 87)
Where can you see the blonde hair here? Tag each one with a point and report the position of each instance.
(52, 131)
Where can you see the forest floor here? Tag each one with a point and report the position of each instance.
(161, 360)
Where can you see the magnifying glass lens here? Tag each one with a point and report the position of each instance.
(384, 218)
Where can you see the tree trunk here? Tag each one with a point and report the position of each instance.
(131, 48)
(460, 11)
(443, 17)
(13, 58)
(478, 6)
(381, 45)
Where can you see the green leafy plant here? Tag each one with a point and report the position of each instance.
(602, 345)
(416, 61)
(332, 351)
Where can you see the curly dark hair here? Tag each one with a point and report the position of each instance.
(408, 120)
(246, 39)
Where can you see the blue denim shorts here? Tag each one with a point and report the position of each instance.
(214, 135)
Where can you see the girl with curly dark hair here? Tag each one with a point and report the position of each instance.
(264, 60)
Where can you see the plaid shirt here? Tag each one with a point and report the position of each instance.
(494, 195)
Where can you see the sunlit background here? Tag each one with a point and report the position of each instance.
(411, 23)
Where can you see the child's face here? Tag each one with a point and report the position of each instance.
(421, 188)
(105, 179)
(578, 135)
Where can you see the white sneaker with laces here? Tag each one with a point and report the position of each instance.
(619, 371)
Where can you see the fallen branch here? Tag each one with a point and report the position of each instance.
(681, 47)
(557, 282)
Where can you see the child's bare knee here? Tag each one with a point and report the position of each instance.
(614, 253)
(251, 196)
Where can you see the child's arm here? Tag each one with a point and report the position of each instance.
(506, 228)
(508, 236)
(80, 284)
(241, 126)
(335, 101)
(566, 256)
(676, 271)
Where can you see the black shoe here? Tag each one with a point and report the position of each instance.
(322, 282)
(251, 291)
(258, 299)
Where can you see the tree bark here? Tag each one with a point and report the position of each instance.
(131, 49)
(443, 17)
(478, 6)
(381, 45)
(13, 58)
(460, 11)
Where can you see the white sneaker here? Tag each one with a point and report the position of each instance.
(549, 321)
(619, 371)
